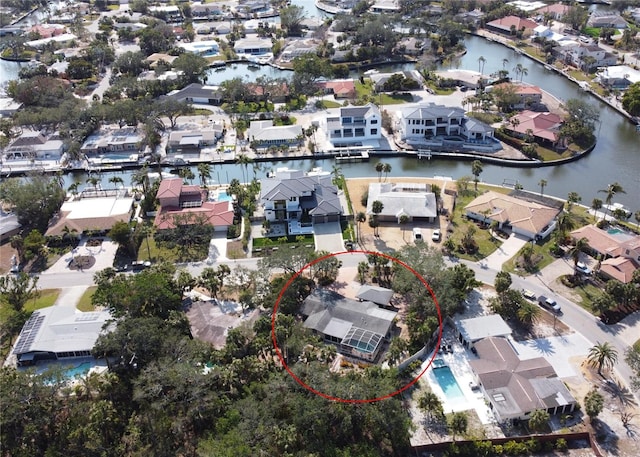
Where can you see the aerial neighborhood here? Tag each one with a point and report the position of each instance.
(261, 227)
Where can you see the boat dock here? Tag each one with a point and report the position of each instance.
(350, 156)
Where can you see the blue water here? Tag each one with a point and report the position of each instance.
(78, 371)
(116, 156)
(448, 383)
(614, 231)
(224, 197)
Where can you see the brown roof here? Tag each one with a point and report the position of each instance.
(620, 268)
(170, 188)
(218, 214)
(530, 216)
(505, 23)
(542, 125)
(84, 225)
(599, 240)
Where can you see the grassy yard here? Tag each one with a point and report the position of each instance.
(365, 92)
(289, 239)
(155, 253)
(540, 253)
(587, 292)
(580, 76)
(547, 154)
(47, 298)
(328, 104)
(85, 301)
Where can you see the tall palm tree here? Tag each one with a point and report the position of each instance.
(579, 247)
(596, 205)
(141, 178)
(386, 168)
(542, 183)
(528, 314)
(379, 169)
(430, 404)
(524, 71)
(476, 169)
(73, 188)
(565, 223)
(505, 62)
(244, 160)
(94, 181)
(481, 62)
(404, 220)
(360, 218)
(115, 180)
(376, 207)
(611, 191)
(204, 172)
(602, 355)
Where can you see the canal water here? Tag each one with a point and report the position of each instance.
(616, 156)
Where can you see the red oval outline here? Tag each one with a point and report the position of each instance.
(345, 400)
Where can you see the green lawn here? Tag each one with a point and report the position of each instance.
(547, 154)
(327, 104)
(540, 252)
(47, 298)
(85, 301)
(587, 292)
(155, 253)
(290, 239)
(580, 76)
(365, 92)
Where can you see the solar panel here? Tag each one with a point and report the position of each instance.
(29, 333)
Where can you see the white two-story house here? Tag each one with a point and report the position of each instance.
(355, 126)
(429, 121)
(587, 57)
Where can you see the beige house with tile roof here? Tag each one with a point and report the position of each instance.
(529, 219)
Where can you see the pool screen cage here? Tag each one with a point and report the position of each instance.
(362, 340)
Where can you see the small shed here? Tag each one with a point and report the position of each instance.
(473, 330)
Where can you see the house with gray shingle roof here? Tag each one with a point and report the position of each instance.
(378, 295)
(431, 120)
(293, 196)
(514, 387)
(358, 328)
(413, 200)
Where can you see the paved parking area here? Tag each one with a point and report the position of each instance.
(104, 255)
(507, 250)
(328, 237)
(557, 350)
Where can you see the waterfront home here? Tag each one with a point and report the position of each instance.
(182, 204)
(526, 5)
(168, 13)
(430, 121)
(357, 328)
(204, 48)
(544, 127)
(527, 218)
(198, 93)
(60, 333)
(412, 46)
(298, 48)
(33, 144)
(61, 40)
(354, 126)
(46, 30)
(525, 95)
(156, 58)
(473, 17)
(249, 8)
(618, 77)
(112, 139)
(379, 79)
(263, 134)
(340, 88)
(513, 387)
(620, 250)
(207, 11)
(556, 11)
(194, 141)
(253, 46)
(510, 25)
(606, 19)
(416, 201)
(290, 195)
(94, 209)
(586, 57)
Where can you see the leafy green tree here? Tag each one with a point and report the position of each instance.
(631, 99)
(602, 302)
(458, 423)
(156, 38)
(602, 355)
(308, 68)
(291, 18)
(80, 69)
(632, 357)
(34, 245)
(503, 281)
(17, 290)
(576, 16)
(538, 420)
(121, 233)
(192, 66)
(593, 404)
(131, 63)
(34, 199)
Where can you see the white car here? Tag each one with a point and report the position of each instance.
(583, 268)
(417, 234)
(435, 236)
(526, 293)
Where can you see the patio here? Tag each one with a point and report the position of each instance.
(300, 228)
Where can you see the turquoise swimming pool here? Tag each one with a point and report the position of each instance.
(223, 196)
(448, 383)
(614, 231)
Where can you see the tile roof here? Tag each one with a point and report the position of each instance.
(170, 188)
(599, 240)
(506, 22)
(530, 216)
(543, 125)
(620, 268)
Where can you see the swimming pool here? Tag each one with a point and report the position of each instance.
(223, 196)
(78, 371)
(614, 231)
(448, 383)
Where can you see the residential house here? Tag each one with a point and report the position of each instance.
(618, 77)
(544, 127)
(527, 95)
(194, 141)
(379, 79)
(340, 88)
(61, 40)
(47, 30)
(93, 210)
(413, 46)
(511, 25)
(513, 387)
(8, 106)
(9, 225)
(125, 139)
(182, 204)
(204, 48)
(60, 333)
(249, 8)
(357, 328)
(197, 93)
(430, 120)
(526, 5)
(157, 57)
(253, 46)
(385, 6)
(529, 219)
(355, 126)
(606, 19)
(311, 23)
(168, 13)
(277, 92)
(298, 48)
(207, 11)
(381, 296)
(32, 144)
(473, 17)
(416, 201)
(586, 57)
(133, 26)
(620, 251)
(293, 196)
(470, 331)
(556, 11)
(263, 134)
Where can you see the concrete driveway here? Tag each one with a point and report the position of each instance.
(328, 237)
(507, 250)
(557, 350)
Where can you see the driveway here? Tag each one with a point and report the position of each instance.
(507, 250)
(217, 248)
(328, 237)
(104, 255)
(557, 350)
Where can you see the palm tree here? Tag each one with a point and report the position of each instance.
(505, 62)
(481, 62)
(336, 171)
(430, 404)
(141, 178)
(386, 168)
(528, 314)
(186, 174)
(564, 223)
(363, 269)
(360, 218)
(527, 253)
(611, 191)
(636, 216)
(602, 355)
(579, 247)
(458, 423)
(596, 205)
(517, 69)
(204, 172)
(524, 71)
(94, 181)
(115, 180)
(376, 207)
(476, 169)
(404, 220)
(379, 169)
(73, 188)
(542, 183)
(244, 161)
(572, 198)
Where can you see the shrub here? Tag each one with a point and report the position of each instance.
(365, 198)
(561, 445)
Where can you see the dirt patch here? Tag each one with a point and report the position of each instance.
(82, 262)
(235, 250)
(393, 236)
(6, 252)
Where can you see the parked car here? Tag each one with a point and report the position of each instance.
(526, 293)
(139, 266)
(550, 304)
(417, 234)
(435, 236)
(583, 268)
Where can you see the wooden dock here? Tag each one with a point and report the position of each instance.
(352, 156)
